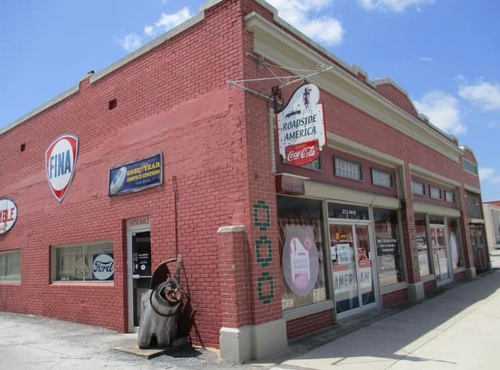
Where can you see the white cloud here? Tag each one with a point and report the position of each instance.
(483, 94)
(426, 59)
(443, 111)
(130, 42)
(489, 175)
(486, 173)
(307, 17)
(167, 22)
(133, 41)
(397, 6)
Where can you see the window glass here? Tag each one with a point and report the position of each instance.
(422, 244)
(417, 188)
(438, 220)
(301, 251)
(388, 246)
(10, 266)
(470, 167)
(449, 196)
(85, 262)
(495, 222)
(435, 192)
(474, 208)
(381, 178)
(314, 165)
(348, 169)
(347, 211)
(457, 254)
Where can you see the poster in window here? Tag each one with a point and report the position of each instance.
(103, 267)
(300, 260)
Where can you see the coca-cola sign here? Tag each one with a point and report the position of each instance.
(103, 267)
(301, 154)
(301, 125)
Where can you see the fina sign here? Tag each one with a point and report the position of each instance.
(60, 163)
(301, 128)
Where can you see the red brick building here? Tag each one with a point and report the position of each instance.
(175, 150)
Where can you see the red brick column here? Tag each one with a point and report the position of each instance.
(416, 288)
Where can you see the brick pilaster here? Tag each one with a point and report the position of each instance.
(234, 279)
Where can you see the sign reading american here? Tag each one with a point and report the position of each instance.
(301, 128)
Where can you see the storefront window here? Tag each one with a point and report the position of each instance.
(457, 254)
(10, 266)
(85, 262)
(347, 211)
(422, 244)
(301, 251)
(388, 246)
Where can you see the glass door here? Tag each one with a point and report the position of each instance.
(440, 255)
(352, 267)
(141, 270)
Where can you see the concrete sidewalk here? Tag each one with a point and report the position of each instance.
(458, 329)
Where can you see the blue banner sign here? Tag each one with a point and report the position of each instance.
(136, 176)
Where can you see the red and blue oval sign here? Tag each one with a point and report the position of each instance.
(8, 214)
(60, 164)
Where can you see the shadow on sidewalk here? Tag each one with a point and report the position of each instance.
(392, 334)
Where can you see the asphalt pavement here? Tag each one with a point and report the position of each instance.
(459, 328)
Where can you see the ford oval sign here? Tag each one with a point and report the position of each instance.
(8, 215)
(60, 163)
(104, 267)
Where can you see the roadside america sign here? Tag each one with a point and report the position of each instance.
(301, 127)
(60, 164)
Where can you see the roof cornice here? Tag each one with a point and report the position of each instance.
(283, 49)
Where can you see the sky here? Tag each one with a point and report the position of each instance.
(444, 53)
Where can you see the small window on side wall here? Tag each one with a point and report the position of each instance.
(347, 169)
(449, 196)
(10, 266)
(381, 178)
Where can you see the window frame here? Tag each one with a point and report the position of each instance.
(391, 183)
(107, 248)
(433, 194)
(449, 193)
(346, 176)
(420, 184)
(7, 254)
(470, 167)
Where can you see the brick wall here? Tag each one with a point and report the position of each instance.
(309, 324)
(430, 286)
(173, 99)
(394, 299)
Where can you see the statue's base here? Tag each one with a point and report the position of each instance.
(133, 348)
